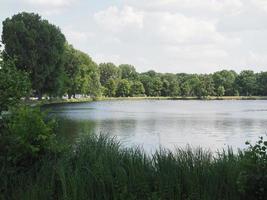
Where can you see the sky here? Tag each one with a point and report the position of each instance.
(192, 36)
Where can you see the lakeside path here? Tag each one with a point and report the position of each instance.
(88, 99)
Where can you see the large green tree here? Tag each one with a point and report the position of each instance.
(226, 79)
(14, 85)
(147, 83)
(128, 72)
(81, 73)
(89, 82)
(137, 88)
(123, 89)
(108, 71)
(72, 70)
(37, 47)
(246, 82)
(170, 85)
(110, 88)
(262, 83)
(156, 86)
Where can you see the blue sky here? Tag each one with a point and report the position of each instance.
(194, 36)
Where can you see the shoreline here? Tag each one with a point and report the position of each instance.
(89, 99)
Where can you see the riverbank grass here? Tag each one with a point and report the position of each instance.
(89, 99)
(96, 167)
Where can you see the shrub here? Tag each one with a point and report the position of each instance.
(28, 135)
(252, 180)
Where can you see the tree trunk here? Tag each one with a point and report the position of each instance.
(40, 95)
(69, 96)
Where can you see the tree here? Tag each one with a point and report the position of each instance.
(147, 83)
(206, 86)
(220, 91)
(137, 89)
(185, 89)
(165, 91)
(108, 71)
(72, 70)
(156, 86)
(37, 47)
(94, 83)
(128, 72)
(262, 83)
(246, 82)
(194, 83)
(14, 85)
(174, 88)
(170, 85)
(123, 89)
(226, 79)
(110, 88)
(81, 73)
(89, 82)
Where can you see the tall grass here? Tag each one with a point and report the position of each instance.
(98, 168)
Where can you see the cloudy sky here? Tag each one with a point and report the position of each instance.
(195, 36)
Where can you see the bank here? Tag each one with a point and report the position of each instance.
(90, 99)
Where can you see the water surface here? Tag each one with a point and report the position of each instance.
(168, 123)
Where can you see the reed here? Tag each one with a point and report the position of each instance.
(97, 167)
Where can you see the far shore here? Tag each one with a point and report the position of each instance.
(89, 99)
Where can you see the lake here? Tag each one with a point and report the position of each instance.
(167, 123)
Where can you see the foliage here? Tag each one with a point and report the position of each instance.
(170, 85)
(28, 135)
(98, 168)
(262, 83)
(71, 69)
(123, 88)
(137, 88)
(246, 81)
(128, 72)
(14, 85)
(220, 91)
(156, 86)
(57, 68)
(37, 47)
(81, 73)
(225, 79)
(108, 71)
(147, 83)
(110, 88)
(253, 176)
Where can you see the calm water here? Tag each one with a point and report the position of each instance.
(168, 123)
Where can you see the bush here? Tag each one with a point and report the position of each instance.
(252, 180)
(28, 135)
(14, 85)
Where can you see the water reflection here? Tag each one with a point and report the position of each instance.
(150, 124)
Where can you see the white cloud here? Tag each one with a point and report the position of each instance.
(50, 3)
(261, 4)
(158, 26)
(75, 37)
(165, 35)
(101, 58)
(49, 7)
(177, 28)
(150, 38)
(199, 7)
(116, 20)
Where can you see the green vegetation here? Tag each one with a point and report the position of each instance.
(26, 135)
(37, 61)
(56, 68)
(14, 85)
(37, 47)
(98, 168)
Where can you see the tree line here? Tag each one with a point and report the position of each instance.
(54, 68)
